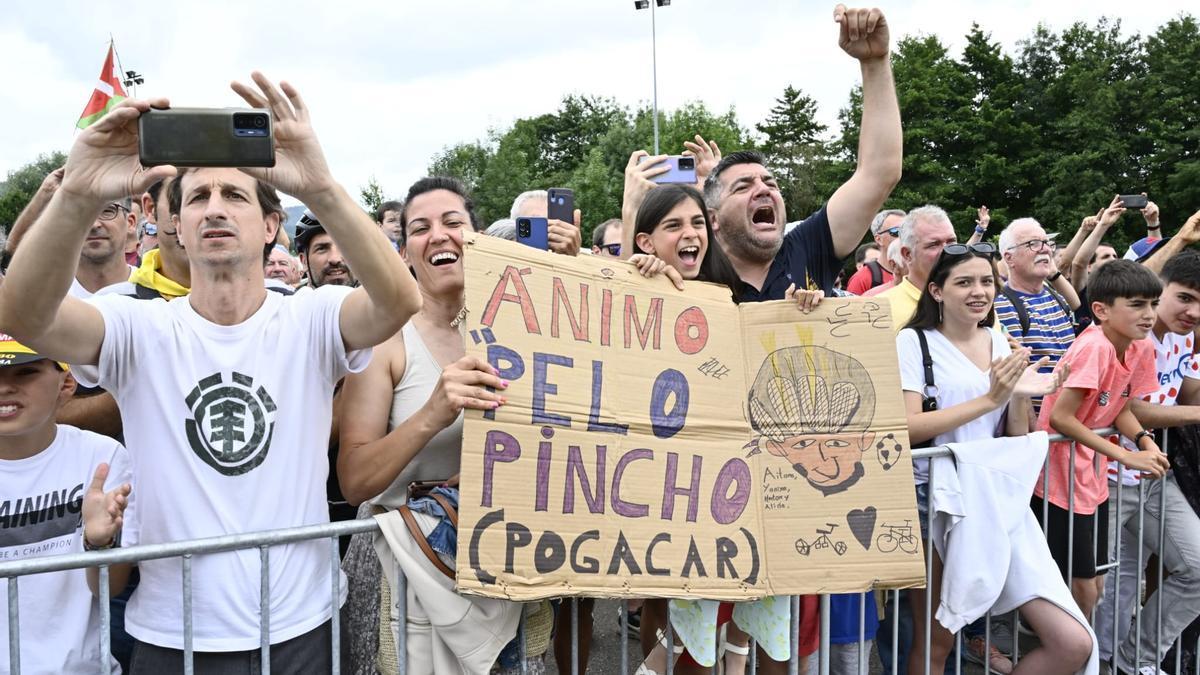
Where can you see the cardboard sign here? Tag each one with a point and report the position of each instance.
(661, 443)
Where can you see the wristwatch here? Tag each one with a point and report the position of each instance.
(115, 543)
(1137, 439)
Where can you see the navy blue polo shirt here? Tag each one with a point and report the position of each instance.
(806, 259)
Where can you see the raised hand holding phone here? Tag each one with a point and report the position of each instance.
(300, 167)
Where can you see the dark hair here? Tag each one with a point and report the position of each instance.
(429, 184)
(715, 267)
(712, 184)
(268, 198)
(390, 205)
(268, 202)
(860, 255)
(1183, 269)
(601, 230)
(1097, 252)
(928, 314)
(1122, 279)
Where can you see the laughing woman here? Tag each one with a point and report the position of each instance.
(402, 417)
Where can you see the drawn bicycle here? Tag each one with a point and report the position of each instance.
(897, 536)
(823, 541)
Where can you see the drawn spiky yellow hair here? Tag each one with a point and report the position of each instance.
(810, 390)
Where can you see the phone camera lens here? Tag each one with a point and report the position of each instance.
(260, 121)
(687, 163)
(523, 227)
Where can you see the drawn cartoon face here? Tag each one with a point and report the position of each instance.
(813, 407)
(829, 462)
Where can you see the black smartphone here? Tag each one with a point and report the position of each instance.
(560, 204)
(206, 137)
(1134, 201)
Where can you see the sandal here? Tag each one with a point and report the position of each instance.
(644, 669)
(728, 647)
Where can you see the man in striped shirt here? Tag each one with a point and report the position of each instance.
(1047, 329)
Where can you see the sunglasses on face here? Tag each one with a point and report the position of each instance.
(893, 232)
(612, 249)
(982, 248)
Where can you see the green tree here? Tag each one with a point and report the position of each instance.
(20, 185)
(1169, 103)
(466, 161)
(795, 148)
(371, 195)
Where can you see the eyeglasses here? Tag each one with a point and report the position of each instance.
(111, 211)
(612, 249)
(982, 248)
(149, 229)
(1035, 245)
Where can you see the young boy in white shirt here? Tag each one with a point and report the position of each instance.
(53, 479)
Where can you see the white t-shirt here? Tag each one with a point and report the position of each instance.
(1173, 361)
(957, 379)
(228, 429)
(41, 499)
(78, 291)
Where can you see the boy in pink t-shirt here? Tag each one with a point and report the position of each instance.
(1110, 364)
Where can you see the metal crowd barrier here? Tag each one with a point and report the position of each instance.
(263, 541)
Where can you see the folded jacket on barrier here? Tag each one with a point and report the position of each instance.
(446, 632)
(995, 555)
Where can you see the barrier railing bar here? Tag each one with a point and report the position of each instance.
(823, 645)
(335, 628)
(573, 608)
(14, 629)
(189, 663)
(264, 606)
(862, 634)
(794, 635)
(1141, 566)
(105, 611)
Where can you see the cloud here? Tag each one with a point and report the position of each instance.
(390, 84)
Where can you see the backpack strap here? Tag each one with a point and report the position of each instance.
(1019, 306)
(876, 273)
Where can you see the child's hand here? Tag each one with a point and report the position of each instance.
(1151, 461)
(103, 512)
(650, 266)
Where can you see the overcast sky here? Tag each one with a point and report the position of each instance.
(392, 82)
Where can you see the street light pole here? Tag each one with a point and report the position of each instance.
(643, 4)
(654, 69)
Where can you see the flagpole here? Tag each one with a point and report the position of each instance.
(120, 66)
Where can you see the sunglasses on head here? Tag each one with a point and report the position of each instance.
(981, 248)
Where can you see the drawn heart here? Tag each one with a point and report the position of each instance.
(862, 524)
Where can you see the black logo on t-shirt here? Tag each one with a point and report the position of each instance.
(231, 424)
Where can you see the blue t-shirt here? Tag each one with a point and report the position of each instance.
(806, 259)
(843, 618)
(1051, 329)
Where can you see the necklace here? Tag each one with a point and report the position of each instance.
(461, 317)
